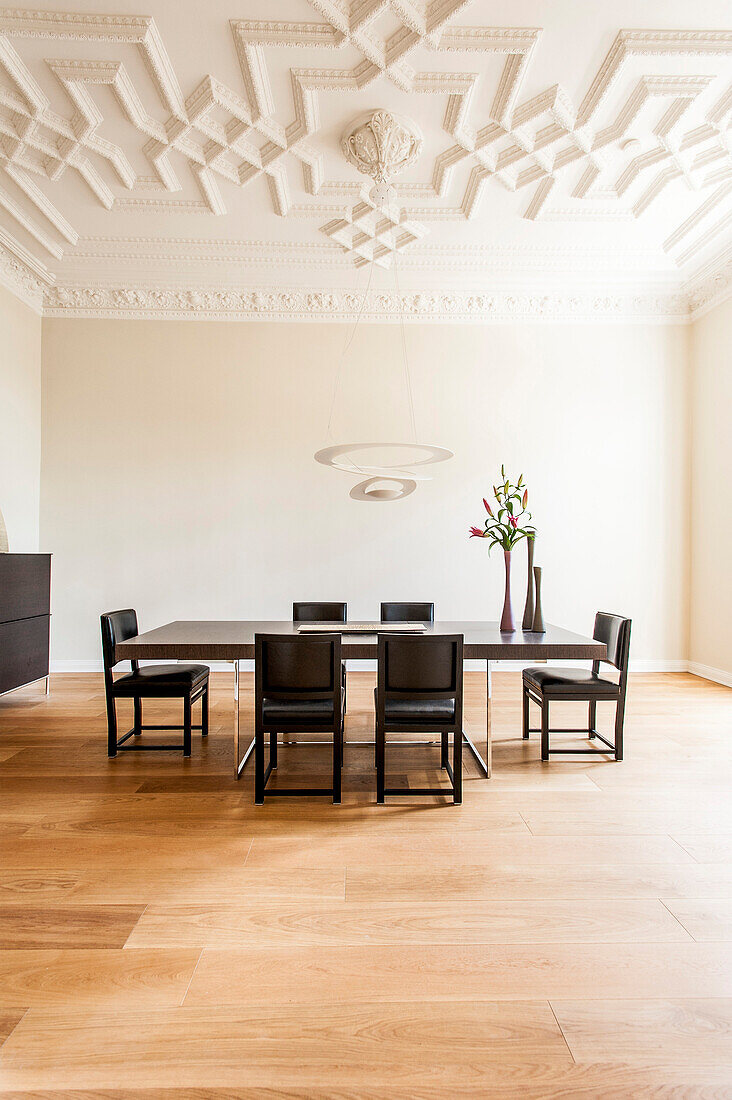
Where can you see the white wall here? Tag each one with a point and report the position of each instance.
(710, 518)
(178, 474)
(20, 421)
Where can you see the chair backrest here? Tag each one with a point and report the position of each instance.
(421, 666)
(614, 631)
(407, 612)
(319, 612)
(297, 667)
(117, 626)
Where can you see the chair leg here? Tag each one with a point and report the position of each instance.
(204, 713)
(380, 762)
(186, 725)
(137, 726)
(457, 766)
(111, 726)
(619, 718)
(443, 749)
(545, 729)
(259, 767)
(273, 735)
(337, 756)
(526, 715)
(592, 718)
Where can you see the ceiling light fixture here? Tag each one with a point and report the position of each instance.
(380, 145)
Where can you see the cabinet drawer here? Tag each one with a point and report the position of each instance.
(25, 586)
(23, 651)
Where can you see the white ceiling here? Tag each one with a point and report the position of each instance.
(188, 159)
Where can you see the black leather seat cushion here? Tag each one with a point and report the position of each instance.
(570, 681)
(161, 680)
(420, 711)
(298, 711)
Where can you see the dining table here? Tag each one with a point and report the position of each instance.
(233, 640)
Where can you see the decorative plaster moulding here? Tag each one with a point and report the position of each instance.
(711, 290)
(300, 304)
(381, 144)
(92, 105)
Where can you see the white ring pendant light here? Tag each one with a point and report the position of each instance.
(380, 145)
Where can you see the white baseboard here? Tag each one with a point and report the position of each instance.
(123, 666)
(76, 666)
(718, 675)
(650, 665)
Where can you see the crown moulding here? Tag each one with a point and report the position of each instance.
(378, 307)
(144, 301)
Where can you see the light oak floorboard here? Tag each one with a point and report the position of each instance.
(538, 882)
(8, 1019)
(486, 847)
(605, 822)
(704, 920)
(508, 1081)
(137, 886)
(63, 926)
(372, 1045)
(62, 979)
(695, 1032)
(707, 849)
(490, 972)
(348, 923)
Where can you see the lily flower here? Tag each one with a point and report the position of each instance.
(525, 499)
(476, 533)
(513, 521)
(487, 507)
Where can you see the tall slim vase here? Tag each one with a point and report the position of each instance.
(508, 626)
(528, 619)
(538, 623)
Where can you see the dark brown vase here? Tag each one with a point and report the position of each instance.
(507, 624)
(528, 618)
(538, 624)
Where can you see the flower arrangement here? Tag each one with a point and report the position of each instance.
(511, 522)
(508, 525)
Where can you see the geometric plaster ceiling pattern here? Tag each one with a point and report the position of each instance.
(99, 130)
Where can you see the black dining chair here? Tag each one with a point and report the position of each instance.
(323, 613)
(174, 681)
(420, 688)
(319, 612)
(407, 612)
(297, 689)
(543, 685)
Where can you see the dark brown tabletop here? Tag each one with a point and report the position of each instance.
(228, 640)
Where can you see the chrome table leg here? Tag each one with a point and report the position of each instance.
(488, 721)
(239, 765)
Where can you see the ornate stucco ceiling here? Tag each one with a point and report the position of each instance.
(188, 160)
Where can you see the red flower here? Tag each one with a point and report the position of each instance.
(487, 507)
(513, 521)
(476, 533)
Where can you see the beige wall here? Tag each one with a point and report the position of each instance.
(178, 474)
(710, 646)
(20, 421)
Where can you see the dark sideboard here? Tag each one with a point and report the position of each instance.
(25, 617)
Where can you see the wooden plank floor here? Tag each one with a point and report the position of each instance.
(566, 932)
